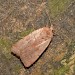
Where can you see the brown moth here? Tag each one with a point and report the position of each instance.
(33, 45)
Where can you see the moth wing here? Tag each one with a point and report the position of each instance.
(31, 54)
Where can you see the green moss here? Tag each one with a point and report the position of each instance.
(72, 46)
(17, 69)
(74, 68)
(57, 6)
(71, 50)
(5, 46)
(26, 32)
(61, 70)
(4, 43)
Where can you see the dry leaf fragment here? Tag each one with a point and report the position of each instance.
(33, 45)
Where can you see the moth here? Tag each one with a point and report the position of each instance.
(33, 45)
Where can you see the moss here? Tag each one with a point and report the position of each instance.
(5, 45)
(74, 68)
(26, 32)
(71, 50)
(72, 46)
(57, 6)
(17, 69)
(62, 70)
